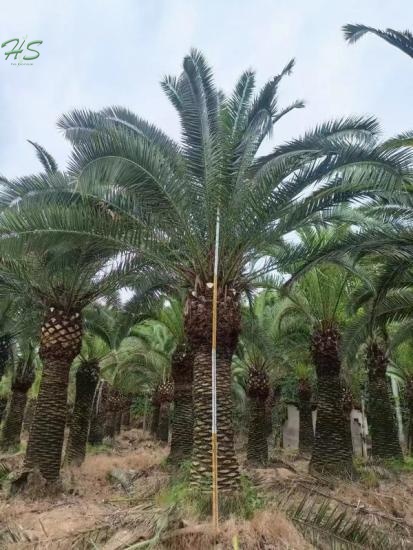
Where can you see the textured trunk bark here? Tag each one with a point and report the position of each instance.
(381, 412)
(28, 414)
(12, 426)
(87, 377)
(198, 328)
(163, 425)
(3, 405)
(306, 431)
(118, 422)
(155, 418)
(257, 445)
(125, 422)
(383, 427)
(97, 421)
(228, 470)
(60, 343)
(332, 450)
(183, 417)
(110, 426)
(5, 352)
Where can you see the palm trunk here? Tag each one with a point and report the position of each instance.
(28, 414)
(97, 421)
(306, 430)
(381, 413)
(110, 425)
(258, 391)
(60, 343)
(257, 445)
(12, 426)
(5, 352)
(409, 398)
(163, 426)
(87, 377)
(332, 452)
(183, 419)
(118, 422)
(198, 326)
(125, 421)
(3, 406)
(155, 418)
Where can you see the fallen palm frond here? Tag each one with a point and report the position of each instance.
(328, 523)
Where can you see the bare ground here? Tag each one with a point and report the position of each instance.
(105, 505)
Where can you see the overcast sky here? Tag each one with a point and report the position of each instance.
(97, 53)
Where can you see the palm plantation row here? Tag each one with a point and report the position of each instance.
(314, 289)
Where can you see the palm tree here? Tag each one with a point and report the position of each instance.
(304, 375)
(319, 298)
(172, 316)
(261, 358)
(87, 378)
(106, 328)
(148, 196)
(401, 40)
(22, 379)
(98, 413)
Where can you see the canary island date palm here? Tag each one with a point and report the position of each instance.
(172, 316)
(61, 281)
(403, 40)
(382, 299)
(23, 374)
(402, 368)
(106, 328)
(87, 378)
(319, 296)
(304, 376)
(152, 197)
(261, 358)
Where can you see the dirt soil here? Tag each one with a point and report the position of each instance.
(102, 506)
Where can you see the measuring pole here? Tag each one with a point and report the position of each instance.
(214, 442)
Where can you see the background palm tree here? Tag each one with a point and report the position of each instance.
(319, 297)
(401, 40)
(23, 373)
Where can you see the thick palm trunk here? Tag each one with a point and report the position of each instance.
(198, 327)
(110, 425)
(257, 445)
(125, 421)
(257, 390)
(163, 426)
(118, 422)
(60, 343)
(183, 418)
(97, 421)
(87, 377)
(5, 352)
(156, 407)
(12, 426)
(332, 452)
(409, 398)
(28, 414)
(112, 413)
(3, 406)
(381, 412)
(306, 431)
(165, 395)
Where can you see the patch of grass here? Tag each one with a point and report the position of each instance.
(403, 465)
(369, 479)
(102, 448)
(193, 502)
